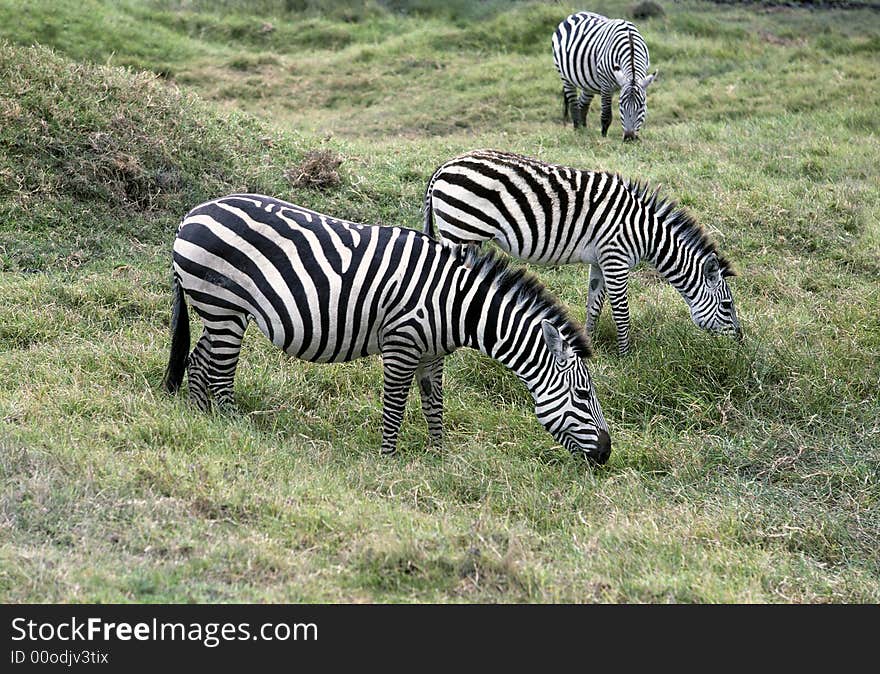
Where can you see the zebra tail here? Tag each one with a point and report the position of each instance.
(179, 341)
(428, 227)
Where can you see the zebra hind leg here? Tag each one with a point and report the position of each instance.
(225, 349)
(569, 102)
(197, 367)
(430, 378)
(398, 368)
(583, 106)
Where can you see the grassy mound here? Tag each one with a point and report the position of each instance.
(95, 160)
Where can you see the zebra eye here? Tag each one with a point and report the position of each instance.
(582, 393)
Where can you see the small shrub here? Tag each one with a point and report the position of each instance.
(646, 10)
(318, 170)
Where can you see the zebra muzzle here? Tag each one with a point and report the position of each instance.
(603, 451)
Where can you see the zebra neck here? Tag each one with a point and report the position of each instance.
(522, 350)
(673, 258)
(506, 329)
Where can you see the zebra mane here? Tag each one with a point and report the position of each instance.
(632, 54)
(678, 219)
(526, 288)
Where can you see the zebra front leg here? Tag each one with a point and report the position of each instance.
(606, 113)
(583, 106)
(596, 297)
(616, 282)
(430, 377)
(197, 365)
(398, 368)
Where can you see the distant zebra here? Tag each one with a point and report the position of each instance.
(600, 56)
(327, 290)
(552, 214)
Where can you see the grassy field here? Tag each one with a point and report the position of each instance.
(740, 472)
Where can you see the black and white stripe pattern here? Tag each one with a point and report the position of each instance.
(327, 290)
(599, 56)
(552, 214)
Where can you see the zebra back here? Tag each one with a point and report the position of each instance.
(553, 214)
(536, 211)
(321, 288)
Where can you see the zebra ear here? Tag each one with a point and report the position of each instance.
(712, 270)
(645, 81)
(463, 252)
(556, 343)
(621, 78)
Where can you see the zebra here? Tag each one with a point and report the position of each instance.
(600, 56)
(551, 214)
(327, 290)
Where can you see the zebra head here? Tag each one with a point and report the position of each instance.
(633, 102)
(712, 305)
(566, 403)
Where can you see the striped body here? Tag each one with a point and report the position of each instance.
(597, 55)
(549, 214)
(327, 290)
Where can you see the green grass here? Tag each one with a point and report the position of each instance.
(740, 472)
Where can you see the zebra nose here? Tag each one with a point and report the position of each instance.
(629, 135)
(603, 451)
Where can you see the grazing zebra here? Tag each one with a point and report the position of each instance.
(326, 290)
(600, 56)
(552, 214)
